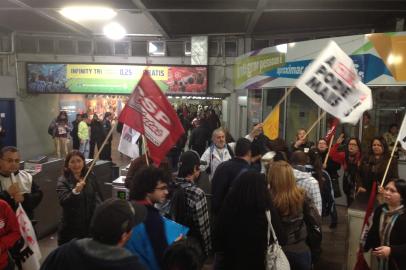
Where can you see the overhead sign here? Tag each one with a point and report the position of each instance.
(332, 82)
(113, 79)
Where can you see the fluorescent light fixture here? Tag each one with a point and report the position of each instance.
(114, 31)
(152, 47)
(292, 44)
(282, 48)
(88, 13)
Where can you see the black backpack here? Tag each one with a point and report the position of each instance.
(178, 208)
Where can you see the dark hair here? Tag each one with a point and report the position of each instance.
(347, 154)
(6, 149)
(84, 115)
(367, 115)
(400, 185)
(145, 181)
(299, 158)
(188, 168)
(184, 254)
(384, 146)
(393, 125)
(242, 147)
(316, 162)
(107, 114)
(66, 170)
(249, 193)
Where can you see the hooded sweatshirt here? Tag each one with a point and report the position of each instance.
(88, 254)
(306, 181)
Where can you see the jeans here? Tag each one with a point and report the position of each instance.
(84, 148)
(299, 261)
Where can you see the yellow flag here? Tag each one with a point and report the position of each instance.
(271, 124)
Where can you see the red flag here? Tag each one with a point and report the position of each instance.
(332, 129)
(149, 112)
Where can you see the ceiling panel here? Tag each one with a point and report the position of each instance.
(203, 22)
(119, 4)
(26, 21)
(199, 4)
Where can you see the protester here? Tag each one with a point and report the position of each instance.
(350, 161)
(77, 197)
(61, 129)
(149, 187)
(17, 186)
(391, 135)
(305, 180)
(227, 172)
(96, 135)
(110, 229)
(374, 165)
(300, 218)
(106, 152)
(9, 235)
(184, 254)
(315, 167)
(368, 132)
(301, 142)
(387, 237)
(331, 167)
(188, 201)
(83, 134)
(240, 236)
(74, 132)
(198, 138)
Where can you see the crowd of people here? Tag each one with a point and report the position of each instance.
(256, 185)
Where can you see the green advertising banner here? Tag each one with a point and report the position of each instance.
(113, 79)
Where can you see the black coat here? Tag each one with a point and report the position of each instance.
(397, 239)
(223, 179)
(77, 210)
(198, 139)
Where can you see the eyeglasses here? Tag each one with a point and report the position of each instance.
(163, 188)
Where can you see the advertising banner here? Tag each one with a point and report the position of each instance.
(113, 79)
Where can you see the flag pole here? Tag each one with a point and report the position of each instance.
(315, 123)
(393, 151)
(280, 101)
(328, 152)
(99, 151)
(144, 146)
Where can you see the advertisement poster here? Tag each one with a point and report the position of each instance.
(113, 79)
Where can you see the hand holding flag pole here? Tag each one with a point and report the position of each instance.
(145, 147)
(328, 151)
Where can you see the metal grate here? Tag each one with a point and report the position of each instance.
(104, 48)
(214, 48)
(27, 45)
(46, 46)
(139, 48)
(121, 48)
(230, 48)
(66, 46)
(84, 47)
(175, 48)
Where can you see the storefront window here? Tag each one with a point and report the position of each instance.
(254, 115)
(302, 112)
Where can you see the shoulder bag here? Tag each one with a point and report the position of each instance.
(275, 257)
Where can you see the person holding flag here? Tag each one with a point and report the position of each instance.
(387, 236)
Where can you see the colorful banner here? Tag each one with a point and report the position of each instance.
(331, 81)
(113, 79)
(378, 59)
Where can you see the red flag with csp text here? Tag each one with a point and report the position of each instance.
(150, 113)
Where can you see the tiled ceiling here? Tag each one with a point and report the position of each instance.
(175, 18)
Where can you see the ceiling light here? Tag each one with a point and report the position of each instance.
(88, 13)
(282, 48)
(114, 31)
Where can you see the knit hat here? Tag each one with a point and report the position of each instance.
(113, 217)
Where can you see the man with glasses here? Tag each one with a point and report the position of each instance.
(16, 186)
(147, 187)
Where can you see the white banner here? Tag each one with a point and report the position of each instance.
(30, 253)
(402, 133)
(128, 142)
(332, 82)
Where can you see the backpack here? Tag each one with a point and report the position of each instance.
(51, 128)
(178, 207)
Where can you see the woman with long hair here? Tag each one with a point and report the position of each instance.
(387, 236)
(60, 133)
(77, 198)
(350, 161)
(244, 210)
(374, 165)
(297, 211)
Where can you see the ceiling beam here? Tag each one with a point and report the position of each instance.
(56, 18)
(138, 4)
(261, 4)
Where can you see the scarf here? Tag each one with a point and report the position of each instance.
(387, 221)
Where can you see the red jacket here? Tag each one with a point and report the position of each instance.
(339, 156)
(9, 231)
